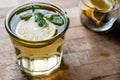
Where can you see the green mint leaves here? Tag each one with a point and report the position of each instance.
(54, 18)
(38, 17)
(40, 20)
(35, 7)
(26, 17)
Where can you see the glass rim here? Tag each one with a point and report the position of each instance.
(9, 15)
(115, 8)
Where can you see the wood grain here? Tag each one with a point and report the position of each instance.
(87, 55)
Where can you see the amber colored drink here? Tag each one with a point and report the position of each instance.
(38, 57)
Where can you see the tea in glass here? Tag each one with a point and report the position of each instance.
(37, 31)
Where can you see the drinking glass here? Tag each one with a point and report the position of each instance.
(109, 17)
(38, 57)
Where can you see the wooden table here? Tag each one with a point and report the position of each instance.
(87, 55)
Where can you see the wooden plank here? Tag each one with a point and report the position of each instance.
(63, 3)
(95, 71)
(1, 22)
(4, 11)
(11, 72)
(110, 77)
(5, 44)
(92, 47)
(75, 33)
(4, 3)
(74, 16)
(75, 46)
(3, 33)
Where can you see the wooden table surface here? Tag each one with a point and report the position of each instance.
(87, 55)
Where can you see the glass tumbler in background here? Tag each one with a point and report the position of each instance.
(99, 15)
(37, 57)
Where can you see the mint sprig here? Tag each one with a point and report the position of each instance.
(38, 16)
(54, 18)
(40, 20)
(26, 17)
(35, 7)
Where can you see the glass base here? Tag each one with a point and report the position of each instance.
(40, 66)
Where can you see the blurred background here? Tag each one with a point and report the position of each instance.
(5, 4)
(71, 6)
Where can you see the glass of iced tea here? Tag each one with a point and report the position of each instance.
(37, 31)
(99, 15)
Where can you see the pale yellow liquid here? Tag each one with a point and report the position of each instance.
(40, 58)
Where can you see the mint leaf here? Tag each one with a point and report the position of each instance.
(54, 18)
(35, 7)
(26, 17)
(40, 20)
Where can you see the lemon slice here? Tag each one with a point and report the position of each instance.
(91, 13)
(88, 11)
(113, 2)
(84, 7)
(104, 5)
(29, 30)
(98, 17)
